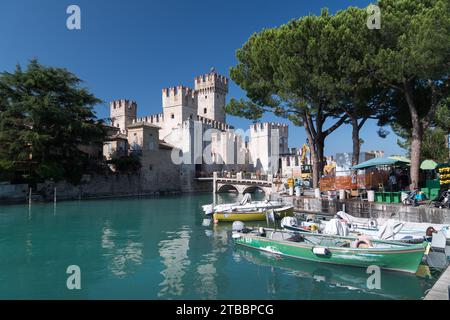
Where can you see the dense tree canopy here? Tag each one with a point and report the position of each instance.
(322, 67)
(288, 71)
(413, 61)
(45, 115)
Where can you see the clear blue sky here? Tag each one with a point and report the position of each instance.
(132, 49)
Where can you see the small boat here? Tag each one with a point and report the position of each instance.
(246, 205)
(390, 231)
(254, 215)
(349, 251)
(382, 229)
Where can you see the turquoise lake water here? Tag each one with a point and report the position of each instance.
(157, 248)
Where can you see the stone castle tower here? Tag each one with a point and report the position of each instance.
(122, 113)
(204, 103)
(211, 90)
(268, 141)
(179, 105)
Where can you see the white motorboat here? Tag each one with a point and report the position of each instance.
(245, 205)
(380, 229)
(400, 228)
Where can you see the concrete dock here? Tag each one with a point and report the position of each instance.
(440, 290)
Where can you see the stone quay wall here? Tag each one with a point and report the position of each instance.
(358, 208)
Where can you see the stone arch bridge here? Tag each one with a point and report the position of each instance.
(242, 182)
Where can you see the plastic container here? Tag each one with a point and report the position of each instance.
(370, 195)
(341, 194)
(379, 196)
(387, 197)
(434, 193)
(395, 197)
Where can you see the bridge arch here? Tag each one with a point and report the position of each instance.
(228, 188)
(252, 189)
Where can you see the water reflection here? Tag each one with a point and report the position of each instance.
(124, 256)
(326, 277)
(174, 254)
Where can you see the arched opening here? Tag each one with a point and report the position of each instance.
(253, 189)
(227, 188)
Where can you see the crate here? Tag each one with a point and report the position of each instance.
(432, 184)
(426, 191)
(396, 197)
(434, 193)
(379, 197)
(387, 197)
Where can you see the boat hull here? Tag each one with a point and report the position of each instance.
(400, 259)
(251, 216)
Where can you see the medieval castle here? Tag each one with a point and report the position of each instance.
(191, 136)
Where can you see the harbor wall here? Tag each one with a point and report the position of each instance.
(358, 208)
(104, 186)
(13, 192)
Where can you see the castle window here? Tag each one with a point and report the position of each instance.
(205, 111)
(172, 116)
(190, 117)
(150, 167)
(206, 97)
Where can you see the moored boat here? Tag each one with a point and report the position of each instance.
(350, 251)
(246, 205)
(253, 215)
(390, 231)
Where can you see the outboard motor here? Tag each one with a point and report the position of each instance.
(289, 222)
(261, 232)
(238, 226)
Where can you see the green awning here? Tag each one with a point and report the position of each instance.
(428, 165)
(381, 162)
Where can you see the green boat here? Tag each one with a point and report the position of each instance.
(350, 251)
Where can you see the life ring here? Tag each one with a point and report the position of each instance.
(429, 232)
(362, 240)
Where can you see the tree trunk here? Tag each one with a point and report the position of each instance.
(355, 140)
(320, 142)
(416, 134)
(315, 168)
(313, 151)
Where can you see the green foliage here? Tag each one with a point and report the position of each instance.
(45, 116)
(434, 144)
(130, 163)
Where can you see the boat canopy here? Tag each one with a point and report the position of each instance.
(385, 161)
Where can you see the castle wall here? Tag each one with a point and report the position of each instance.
(267, 142)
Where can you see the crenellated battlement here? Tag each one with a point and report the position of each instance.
(122, 103)
(267, 126)
(122, 113)
(211, 82)
(157, 119)
(179, 96)
(214, 124)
